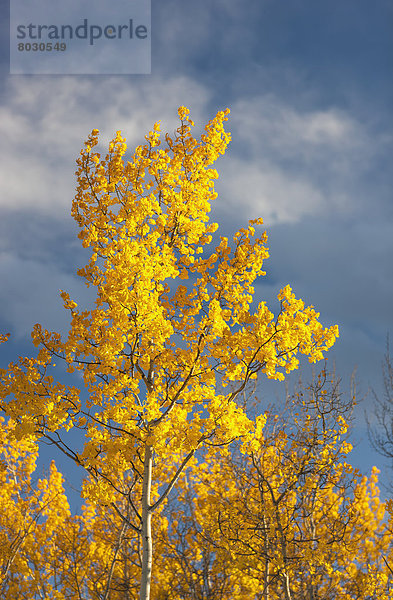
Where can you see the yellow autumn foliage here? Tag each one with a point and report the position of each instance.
(156, 368)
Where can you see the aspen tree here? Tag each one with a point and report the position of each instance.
(156, 355)
(32, 515)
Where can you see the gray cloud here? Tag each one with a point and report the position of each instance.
(291, 163)
(43, 124)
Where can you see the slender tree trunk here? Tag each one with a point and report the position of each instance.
(266, 571)
(266, 581)
(147, 544)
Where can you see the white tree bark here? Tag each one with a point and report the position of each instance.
(147, 543)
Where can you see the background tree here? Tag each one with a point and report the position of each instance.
(32, 515)
(155, 356)
(283, 517)
(381, 429)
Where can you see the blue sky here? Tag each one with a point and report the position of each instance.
(309, 85)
